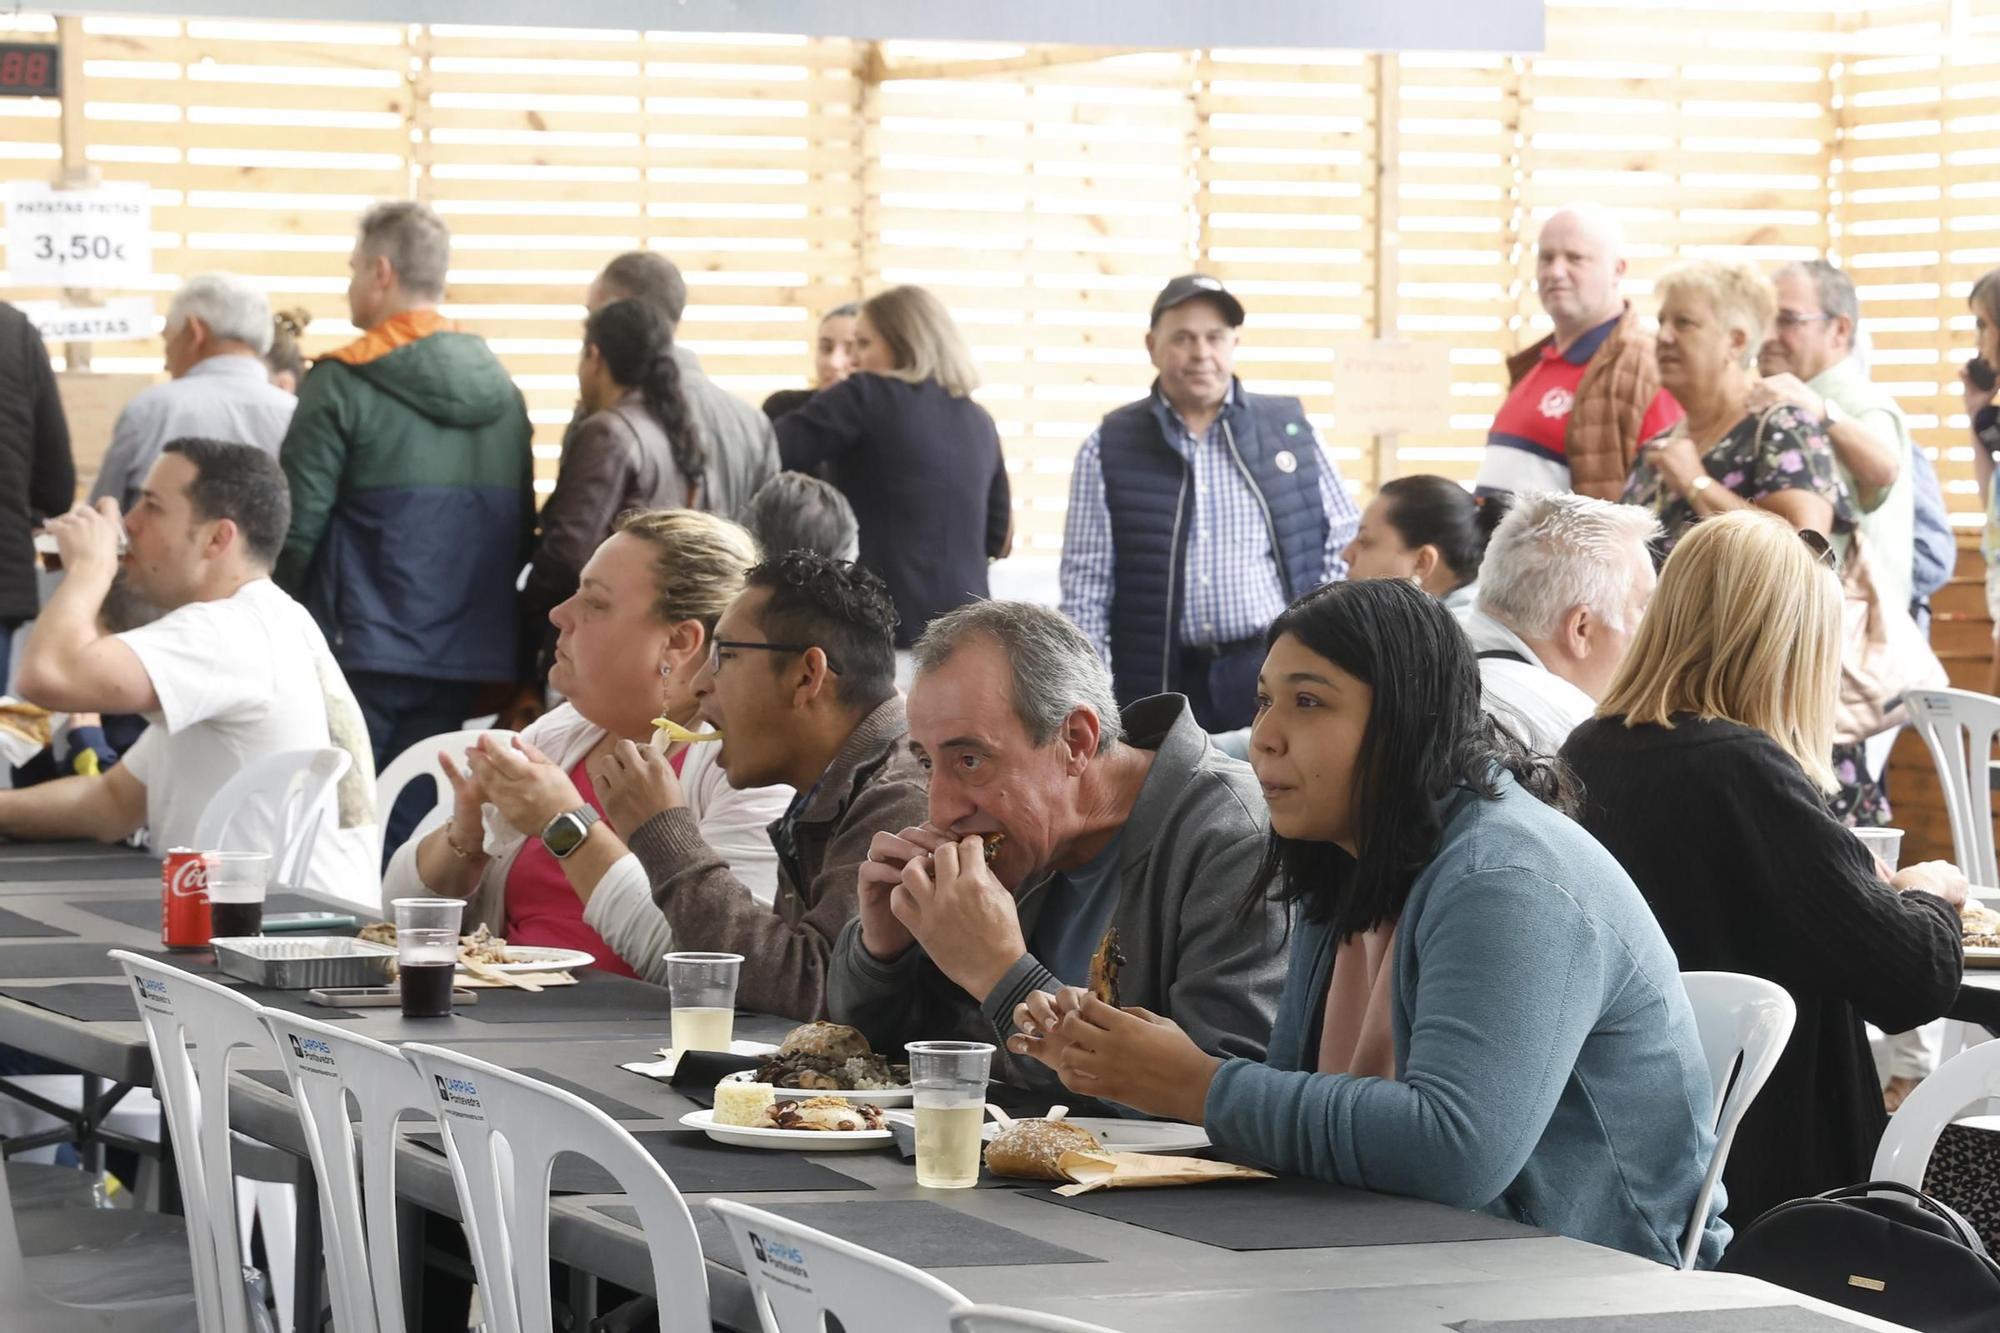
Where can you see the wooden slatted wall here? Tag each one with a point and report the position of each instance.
(1046, 192)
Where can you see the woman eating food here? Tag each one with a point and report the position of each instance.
(528, 843)
(1480, 1010)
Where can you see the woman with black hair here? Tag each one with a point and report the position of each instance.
(1429, 530)
(1479, 1009)
(636, 447)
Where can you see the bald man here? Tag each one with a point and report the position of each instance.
(1587, 396)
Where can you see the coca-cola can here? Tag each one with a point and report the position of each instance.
(184, 920)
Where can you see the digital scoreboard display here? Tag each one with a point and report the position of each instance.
(30, 69)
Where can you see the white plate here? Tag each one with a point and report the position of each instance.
(788, 1140)
(1118, 1134)
(528, 959)
(879, 1096)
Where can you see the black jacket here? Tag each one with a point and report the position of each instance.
(37, 474)
(924, 474)
(1747, 872)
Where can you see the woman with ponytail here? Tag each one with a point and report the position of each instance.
(637, 447)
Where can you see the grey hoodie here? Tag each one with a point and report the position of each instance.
(1186, 862)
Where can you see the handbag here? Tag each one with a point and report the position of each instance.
(1883, 655)
(1880, 1249)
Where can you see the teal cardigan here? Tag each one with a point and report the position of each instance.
(1547, 1064)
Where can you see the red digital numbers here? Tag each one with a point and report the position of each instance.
(26, 69)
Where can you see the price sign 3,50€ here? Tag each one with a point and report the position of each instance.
(99, 237)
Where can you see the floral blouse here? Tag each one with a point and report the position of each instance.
(1789, 453)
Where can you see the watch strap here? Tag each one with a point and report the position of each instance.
(579, 820)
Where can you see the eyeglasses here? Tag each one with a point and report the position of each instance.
(1821, 548)
(715, 647)
(1791, 319)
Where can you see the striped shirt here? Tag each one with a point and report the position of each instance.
(1234, 587)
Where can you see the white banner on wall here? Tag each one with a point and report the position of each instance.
(81, 324)
(98, 237)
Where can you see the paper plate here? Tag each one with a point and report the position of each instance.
(879, 1096)
(528, 959)
(788, 1140)
(1118, 1134)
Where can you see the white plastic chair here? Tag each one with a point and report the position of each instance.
(1740, 1019)
(502, 1133)
(825, 1275)
(294, 791)
(326, 1065)
(193, 1085)
(420, 761)
(142, 1284)
(1007, 1319)
(1958, 726)
(1962, 1082)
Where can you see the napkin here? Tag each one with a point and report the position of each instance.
(703, 1069)
(1136, 1170)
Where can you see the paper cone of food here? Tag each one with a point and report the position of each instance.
(1137, 1170)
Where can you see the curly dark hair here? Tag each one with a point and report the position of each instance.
(1426, 734)
(637, 345)
(841, 607)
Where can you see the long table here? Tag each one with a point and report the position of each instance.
(1140, 1281)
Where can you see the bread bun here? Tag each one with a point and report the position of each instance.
(1030, 1149)
(836, 1041)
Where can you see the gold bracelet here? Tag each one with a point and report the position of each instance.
(457, 850)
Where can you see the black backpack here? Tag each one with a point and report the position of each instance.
(1880, 1249)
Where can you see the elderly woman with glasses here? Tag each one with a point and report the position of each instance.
(527, 843)
(1741, 448)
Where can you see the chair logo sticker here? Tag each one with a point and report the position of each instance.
(780, 1260)
(459, 1097)
(313, 1056)
(153, 993)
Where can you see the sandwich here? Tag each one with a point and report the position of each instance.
(1033, 1149)
(1104, 965)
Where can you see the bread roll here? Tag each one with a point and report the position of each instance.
(836, 1041)
(1030, 1149)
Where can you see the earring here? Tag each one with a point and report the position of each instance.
(666, 671)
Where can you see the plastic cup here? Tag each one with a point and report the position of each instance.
(236, 884)
(1886, 843)
(427, 931)
(701, 988)
(948, 1079)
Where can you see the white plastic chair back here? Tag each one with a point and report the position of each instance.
(502, 1132)
(1007, 1319)
(325, 1065)
(1739, 1018)
(420, 761)
(1960, 1084)
(1958, 726)
(294, 790)
(799, 1275)
(180, 1010)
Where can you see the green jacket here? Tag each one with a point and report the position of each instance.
(412, 502)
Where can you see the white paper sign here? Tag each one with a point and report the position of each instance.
(100, 237)
(1392, 388)
(79, 324)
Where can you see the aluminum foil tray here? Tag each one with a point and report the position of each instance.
(304, 962)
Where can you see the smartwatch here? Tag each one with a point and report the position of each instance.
(1701, 483)
(567, 831)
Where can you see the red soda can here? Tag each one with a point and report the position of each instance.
(184, 900)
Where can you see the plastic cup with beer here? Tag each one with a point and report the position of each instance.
(236, 883)
(701, 987)
(948, 1079)
(427, 953)
(1886, 843)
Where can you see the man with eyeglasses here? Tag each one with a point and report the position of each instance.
(801, 684)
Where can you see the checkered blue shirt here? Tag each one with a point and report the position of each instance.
(1234, 589)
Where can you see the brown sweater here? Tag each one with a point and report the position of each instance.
(1602, 437)
(872, 785)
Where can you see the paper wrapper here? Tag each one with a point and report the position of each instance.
(1137, 1170)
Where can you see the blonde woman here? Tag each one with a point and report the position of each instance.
(1705, 774)
(916, 457)
(629, 643)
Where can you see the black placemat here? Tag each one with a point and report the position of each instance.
(85, 958)
(85, 1001)
(62, 869)
(1760, 1319)
(14, 926)
(603, 1101)
(1289, 1214)
(916, 1231)
(12, 849)
(144, 912)
(696, 1164)
(598, 997)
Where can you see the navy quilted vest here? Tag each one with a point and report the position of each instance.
(1145, 485)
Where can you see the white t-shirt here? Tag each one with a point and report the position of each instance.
(1534, 703)
(239, 679)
